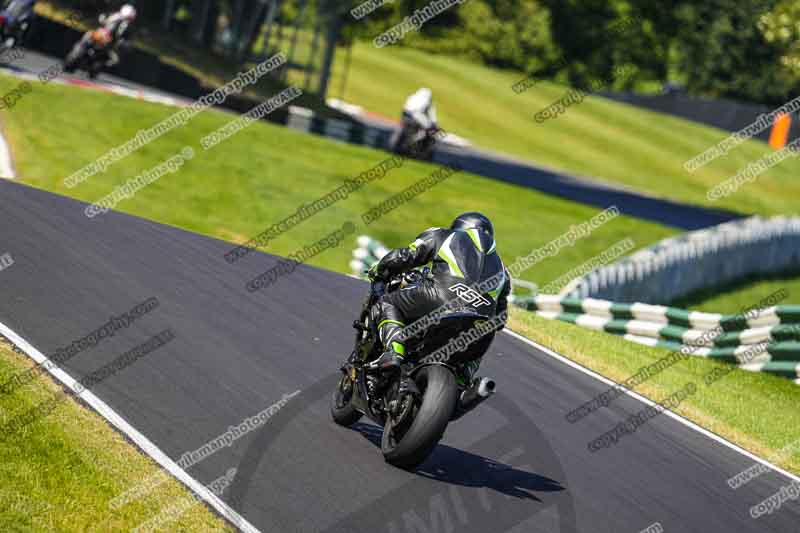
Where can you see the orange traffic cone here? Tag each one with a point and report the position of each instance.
(780, 131)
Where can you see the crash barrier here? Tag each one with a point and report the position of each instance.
(765, 340)
(728, 115)
(368, 252)
(308, 121)
(678, 266)
(761, 340)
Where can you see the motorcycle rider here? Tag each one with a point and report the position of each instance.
(460, 256)
(118, 24)
(419, 109)
(419, 115)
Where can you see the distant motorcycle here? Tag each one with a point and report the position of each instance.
(414, 421)
(91, 53)
(415, 140)
(15, 22)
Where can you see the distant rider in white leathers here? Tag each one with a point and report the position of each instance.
(419, 108)
(419, 130)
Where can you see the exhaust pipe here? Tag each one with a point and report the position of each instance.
(474, 396)
(486, 387)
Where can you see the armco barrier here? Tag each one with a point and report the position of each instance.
(368, 252)
(721, 113)
(766, 340)
(306, 120)
(678, 266)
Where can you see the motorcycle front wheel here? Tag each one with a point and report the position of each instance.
(342, 410)
(71, 61)
(411, 437)
(397, 142)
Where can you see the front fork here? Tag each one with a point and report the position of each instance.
(363, 344)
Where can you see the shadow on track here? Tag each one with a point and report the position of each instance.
(453, 486)
(459, 467)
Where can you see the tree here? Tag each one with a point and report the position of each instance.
(722, 52)
(781, 27)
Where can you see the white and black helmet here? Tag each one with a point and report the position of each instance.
(128, 12)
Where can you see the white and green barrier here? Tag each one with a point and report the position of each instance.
(678, 266)
(369, 252)
(349, 131)
(766, 340)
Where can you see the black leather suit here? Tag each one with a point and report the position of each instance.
(458, 262)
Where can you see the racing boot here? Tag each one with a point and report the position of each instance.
(388, 361)
(393, 357)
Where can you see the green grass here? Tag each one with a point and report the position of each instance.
(612, 141)
(598, 138)
(754, 410)
(61, 472)
(731, 299)
(264, 173)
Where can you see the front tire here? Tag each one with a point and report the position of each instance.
(71, 62)
(408, 448)
(342, 410)
(397, 141)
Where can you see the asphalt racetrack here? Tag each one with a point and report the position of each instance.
(35, 63)
(514, 465)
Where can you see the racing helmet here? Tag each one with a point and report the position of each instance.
(474, 220)
(128, 12)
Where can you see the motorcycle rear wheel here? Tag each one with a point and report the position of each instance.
(406, 446)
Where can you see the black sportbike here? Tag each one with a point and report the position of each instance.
(414, 140)
(413, 421)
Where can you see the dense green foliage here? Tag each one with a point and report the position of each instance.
(745, 49)
(782, 27)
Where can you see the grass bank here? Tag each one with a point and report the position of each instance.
(61, 472)
(754, 410)
(265, 173)
(732, 298)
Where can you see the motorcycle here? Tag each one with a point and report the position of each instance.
(415, 420)
(15, 22)
(91, 53)
(415, 140)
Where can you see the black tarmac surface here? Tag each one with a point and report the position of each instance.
(514, 465)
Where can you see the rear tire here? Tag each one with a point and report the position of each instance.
(342, 410)
(439, 396)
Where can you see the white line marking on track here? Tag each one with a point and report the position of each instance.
(6, 168)
(133, 434)
(711, 435)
